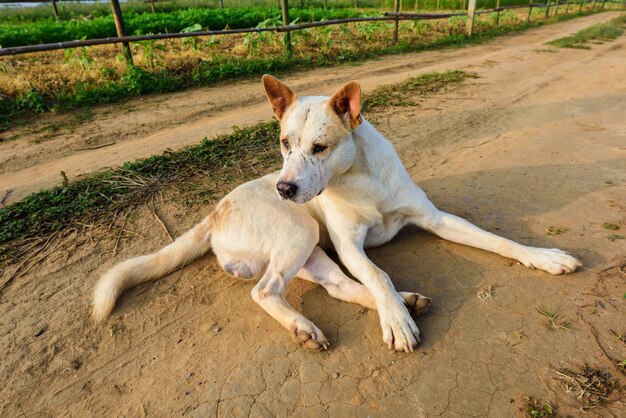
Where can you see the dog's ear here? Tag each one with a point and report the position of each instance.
(279, 95)
(347, 103)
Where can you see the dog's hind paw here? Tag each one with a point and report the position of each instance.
(416, 303)
(308, 335)
(552, 260)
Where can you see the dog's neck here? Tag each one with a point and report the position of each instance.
(375, 156)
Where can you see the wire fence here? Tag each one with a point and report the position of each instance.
(286, 28)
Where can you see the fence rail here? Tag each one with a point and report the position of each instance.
(387, 16)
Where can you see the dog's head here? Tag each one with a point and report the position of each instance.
(315, 137)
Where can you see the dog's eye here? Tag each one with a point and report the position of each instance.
(285, 143)
(317, 148)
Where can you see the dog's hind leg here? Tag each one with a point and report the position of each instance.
(459, 230)
(269, 293)
(322, 270)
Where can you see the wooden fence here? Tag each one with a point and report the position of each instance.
(286, 28)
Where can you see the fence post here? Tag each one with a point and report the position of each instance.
(593, 6)
(397, 6)
(603, 1)
(556, 9)
(121, 30)
(222, 3)
(530, 11)
(287, 38)
(547, 9)
(416, 5)
(498, 13)
(152, 6)
(471, 12)
(54, 9)
(580, 8)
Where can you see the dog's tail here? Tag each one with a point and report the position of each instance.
(189, 246)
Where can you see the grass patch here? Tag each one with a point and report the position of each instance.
(600, 33)
(402, 94)
(244, 154)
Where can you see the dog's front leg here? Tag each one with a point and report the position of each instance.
(399, 329)
(457, 229)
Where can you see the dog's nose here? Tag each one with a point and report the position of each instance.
(286, 190)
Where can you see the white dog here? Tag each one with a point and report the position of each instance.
(343, 187)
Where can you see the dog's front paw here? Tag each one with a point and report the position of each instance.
(416, 304)
(552, 260)
(399, 330)
(304, 332)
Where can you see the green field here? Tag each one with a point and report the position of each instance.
(37, 25)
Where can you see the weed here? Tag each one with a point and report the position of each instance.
(535, 409)
(615, 237)
(554, 230)
(612, 227)
(553, 316)
(609, 182)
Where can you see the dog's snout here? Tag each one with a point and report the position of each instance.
(286, 190)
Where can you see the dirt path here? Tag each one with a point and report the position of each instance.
(36, 154)
(539, 139)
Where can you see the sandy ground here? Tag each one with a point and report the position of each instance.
(539, 139)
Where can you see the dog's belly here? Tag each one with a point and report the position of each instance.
(384, 232)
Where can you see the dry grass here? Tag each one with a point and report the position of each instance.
(590, 386)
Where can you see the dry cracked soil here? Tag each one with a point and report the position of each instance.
(537, 140)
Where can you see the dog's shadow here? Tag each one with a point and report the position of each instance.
(502, 201)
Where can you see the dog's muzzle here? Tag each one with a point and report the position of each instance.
(286, 190)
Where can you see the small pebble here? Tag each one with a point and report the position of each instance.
(335, 375)
(40, 331)
(362, 311)
(216, 330)
(76, 364)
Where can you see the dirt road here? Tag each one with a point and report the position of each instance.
(538, 140)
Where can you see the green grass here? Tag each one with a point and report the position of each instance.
(599, 33)
(234, 157)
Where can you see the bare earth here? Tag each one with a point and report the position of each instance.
(539, 139)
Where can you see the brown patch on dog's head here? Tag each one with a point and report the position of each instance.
(217, 218)
(346, 103)
(279, 95)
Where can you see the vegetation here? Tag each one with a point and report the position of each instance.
(79, 77)
(78, 10)
(535, 409)
(50, 30)
(598, 33)
(241, 155)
